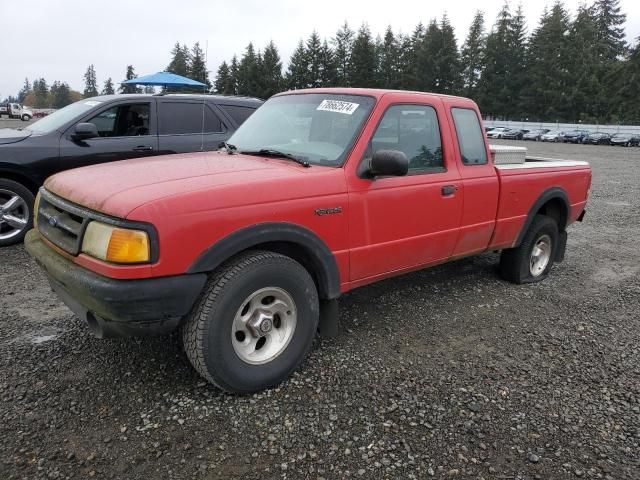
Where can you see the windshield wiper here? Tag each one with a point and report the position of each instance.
(270, 152)
(231, 149)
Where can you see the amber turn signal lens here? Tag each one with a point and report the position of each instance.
(128, 246)
(117, 245)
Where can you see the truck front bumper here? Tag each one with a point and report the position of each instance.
(117, 307)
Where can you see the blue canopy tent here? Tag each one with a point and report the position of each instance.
(164, 79)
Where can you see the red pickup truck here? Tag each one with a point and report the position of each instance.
(246, 250)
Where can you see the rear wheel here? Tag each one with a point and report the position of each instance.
(532, 260)
(254, 324)
(16, 212)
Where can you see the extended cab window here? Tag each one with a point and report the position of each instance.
(238, 113)
(414, 130)
(129, 120)
(470, 137)
(177, 118)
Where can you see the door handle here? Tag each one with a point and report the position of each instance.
(449, 190)
(142, 148)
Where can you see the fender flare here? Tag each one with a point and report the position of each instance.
(550, 194)
(320, 257)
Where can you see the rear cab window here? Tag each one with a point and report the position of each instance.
(470, 138)
(183, 118)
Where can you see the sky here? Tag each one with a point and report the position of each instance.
(58, 39)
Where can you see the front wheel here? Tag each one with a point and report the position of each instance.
(532, 260)
(16, 212)
(254, 324)
(26, 118)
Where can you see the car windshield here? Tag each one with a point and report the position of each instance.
(319, 128)
(60, 117)
(621, 135)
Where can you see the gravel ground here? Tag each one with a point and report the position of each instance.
(445, 373)
(13, 123)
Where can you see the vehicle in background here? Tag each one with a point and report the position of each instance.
(535, 134)
(321, 191)
(625, 140)
(104, 129)
(497, 132)
(513, 134)
(574, 136)
(552, 136)
(15, 110)
(597, 138)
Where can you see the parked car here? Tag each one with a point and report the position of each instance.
(104, 129)
(16, 111)
(319, 192)
(598, 138)
(625, 140)
(513, 134)
(552, 136)
(535, 134)
(497, 132)
(574, 136)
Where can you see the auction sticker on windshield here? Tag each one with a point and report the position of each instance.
(338, 106)
(92, 103)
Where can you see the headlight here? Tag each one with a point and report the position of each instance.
(114, 244)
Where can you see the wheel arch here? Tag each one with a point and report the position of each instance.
(554, 203)
(21, 179)
(288, 239)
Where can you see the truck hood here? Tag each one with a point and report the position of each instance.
(11, 135)
(118, 188)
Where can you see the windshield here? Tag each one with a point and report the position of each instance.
(317, 127)
(60, 117)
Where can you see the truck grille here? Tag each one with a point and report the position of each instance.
(61, 222)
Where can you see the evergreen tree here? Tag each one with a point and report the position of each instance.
(24, 91)
(90, 83)
(409, 59)
(503, 77)
(388, 63)
(197, 66)
(313, 59)
(271, 71)
(60, 95)
(610, 27)
(328, 66)
(233, 74)
(41, 93)
(342, 47)
(628, 86)
(363, 59)
(108, 89)
(427, 52)
(180, 60)
(449, 68)
(472, 56)
(130, 75)
(547, 73)
(223, 85)
(585, 97)
(297, 73)
(248, 73)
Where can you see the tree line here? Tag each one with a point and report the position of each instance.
(567, 69)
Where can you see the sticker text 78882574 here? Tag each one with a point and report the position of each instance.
(338, 106)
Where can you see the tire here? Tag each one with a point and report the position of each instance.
(517, 264)
(26, 118)
(219, 354)
(20, 209)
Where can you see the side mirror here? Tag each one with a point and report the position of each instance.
(388, 163)
(84, 131)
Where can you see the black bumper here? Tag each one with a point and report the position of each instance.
(117, 307)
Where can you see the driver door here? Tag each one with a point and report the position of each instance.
(126, 130)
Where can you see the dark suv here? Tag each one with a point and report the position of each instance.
(104, 129)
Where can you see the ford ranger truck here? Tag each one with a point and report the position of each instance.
(246, 250)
